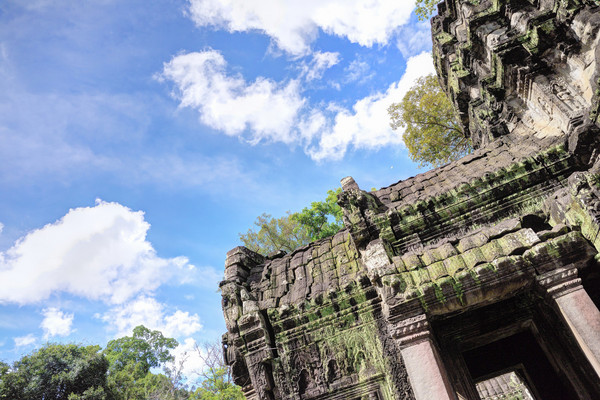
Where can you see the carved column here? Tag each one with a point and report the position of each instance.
(577, 309)
(426, 372)
(258, 355)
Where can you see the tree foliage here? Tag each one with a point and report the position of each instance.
(131, 358)
(274, 234)
(123, 371)
(425, 8)
(217, 386)
(431, 131)
(56, 371)
(144, 350)
(216, 380)
(321, 219)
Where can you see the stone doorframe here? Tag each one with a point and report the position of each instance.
(524, 312)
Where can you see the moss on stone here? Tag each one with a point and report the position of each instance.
(454, 264)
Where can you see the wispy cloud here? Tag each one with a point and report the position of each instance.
(50, 134)
(23, 341)
(281, 113)
(358, 71)
(367, 124)
(73, 136)
(320, 62)
(414, 39)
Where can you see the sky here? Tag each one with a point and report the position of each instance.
(138, 138)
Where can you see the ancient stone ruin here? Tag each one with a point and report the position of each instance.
(477, 279)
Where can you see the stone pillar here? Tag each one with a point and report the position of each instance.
(258, 355)
(426, 372)
(577, 309)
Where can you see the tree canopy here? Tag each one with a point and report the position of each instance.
(56, 371)
(323, 218)
(144, 350)
(125, 370)
(320, 220)
(432, 134)
(131, 358)
(274, 234)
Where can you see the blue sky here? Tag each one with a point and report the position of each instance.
(138, 138)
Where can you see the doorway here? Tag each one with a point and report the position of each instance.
(521, 335)
(521, 354)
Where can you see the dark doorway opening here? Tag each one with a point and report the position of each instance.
(519, 349)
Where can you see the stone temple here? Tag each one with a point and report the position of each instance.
(476, 280)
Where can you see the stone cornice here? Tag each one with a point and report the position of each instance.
(560, 281)
(411, 330)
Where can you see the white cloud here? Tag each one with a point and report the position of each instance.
(147, 311)
(23, 341)
(99, 253)
(320, 62)
(293, 25)
(414, 39)
(280, 112)
(219, 173)
(188, 358)
(367, 125)
(154, 315)
(56, 322)
(1, 227)
(229, 103)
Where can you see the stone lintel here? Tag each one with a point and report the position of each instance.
(560, 282)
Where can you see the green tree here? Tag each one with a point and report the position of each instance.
(216, 380)
(274, 234)
(321, 219)
(425, 8)
(130, 360)
(217, 386)
(123, 371)
(432, 134)
(56, 371)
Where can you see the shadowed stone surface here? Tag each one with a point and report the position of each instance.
(516, 222)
